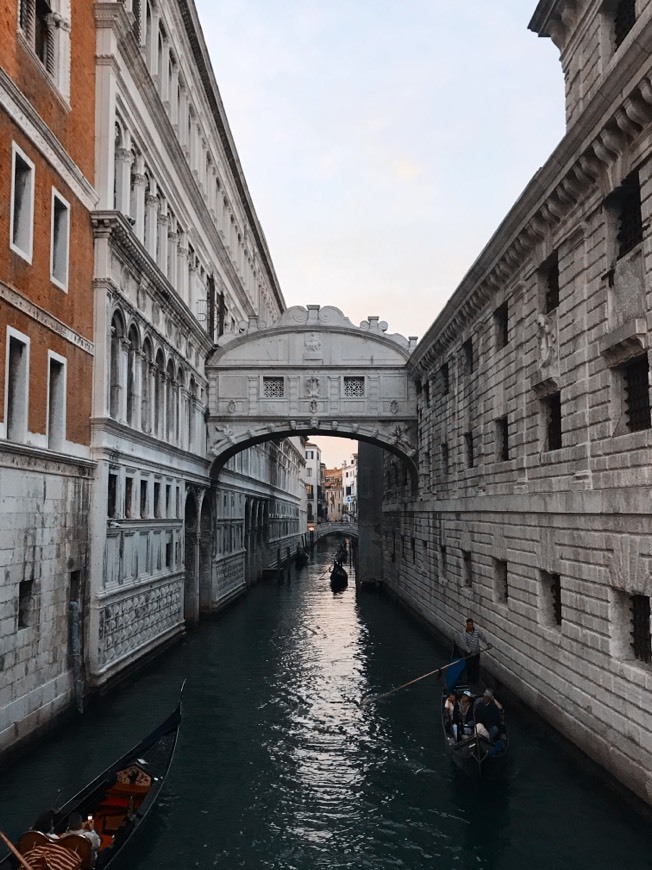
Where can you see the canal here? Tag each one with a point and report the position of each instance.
(279, 765)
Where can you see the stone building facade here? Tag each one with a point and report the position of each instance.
(532, 512)
(46, 354)
(180, 260)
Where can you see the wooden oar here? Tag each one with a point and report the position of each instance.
(15, 851)
(438, 671)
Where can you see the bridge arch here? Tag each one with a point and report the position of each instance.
(312, 372)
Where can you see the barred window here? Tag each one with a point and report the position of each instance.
(445, 462)
(630, 221)
(353, 387)
(624, 20)
(273, 388)
(502, 439)
(468, 448)
(552, 410)
(551, 278)
(501, 326)
(641, 641)
(637, 394)
(550, 613)
(467, 355)
(445, 379)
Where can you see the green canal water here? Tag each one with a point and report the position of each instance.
(280, 766)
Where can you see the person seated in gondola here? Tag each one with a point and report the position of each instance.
(465, 715)
(84, 829)
(488, 715)
(451, 715)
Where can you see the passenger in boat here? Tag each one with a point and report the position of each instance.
(84, 829)
(451, 714)
(488, 715)
(465, 715)
(469, 642)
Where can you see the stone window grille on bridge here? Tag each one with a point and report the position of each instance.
(353, 388)
(624, 20)
(273, 388)
(641, 640)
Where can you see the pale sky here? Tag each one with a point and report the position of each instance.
(383, 141)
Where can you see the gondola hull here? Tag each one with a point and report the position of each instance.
(339, 578)
(118, 799)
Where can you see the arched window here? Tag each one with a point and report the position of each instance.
(159, 394)
(146, 397)
(115, 387)
(132, 367)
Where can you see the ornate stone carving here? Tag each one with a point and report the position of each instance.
(312, 387)
(547, 338)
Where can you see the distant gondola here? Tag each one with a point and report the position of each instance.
(115, 803)
(471, 751)
(339, 577)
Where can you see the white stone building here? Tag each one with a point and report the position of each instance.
(313, 482)
(535, 441)
(350, 488)
(180, 259)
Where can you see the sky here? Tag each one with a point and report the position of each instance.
(383, 141)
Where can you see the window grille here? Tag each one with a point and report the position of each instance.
(25, 601)
(501, 323)
(273, 388)
(553, 421)
(555, 591)
(353, 388)
(445, 459)
(502, 439)
(641, 641)
(552, 284)
(624, 20)
(500, 574)
(630, 221)
(637, 394)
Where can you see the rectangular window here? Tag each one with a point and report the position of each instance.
(60, 241)
(445, 461)
(468, 449)
(56, 403)
(34, 18)
(308, 472)
(445, 379)
(25, 603)
(426, 392)
(143, 498)
(550, 271)
(157, 499)
(501, 588)
(501, 326)
(552, 410)
(310, 491)
(624, 20)
(273, 388)
(129, 496)
(414, 550)
(443, 559)
(550, 612)
(168, 499)
(467, 355)
(17, 387)
(641, 641)
(21, 229)
(112, 495)
(353, 388)
(467, 568)
(637, 393)
(627, 201)
(502, 439)
(168, 553)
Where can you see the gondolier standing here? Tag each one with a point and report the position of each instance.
(469, 642)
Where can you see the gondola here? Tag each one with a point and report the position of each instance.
(471, 751)
(339, 577)
(115, 804)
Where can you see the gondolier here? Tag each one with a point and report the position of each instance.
(470, 642)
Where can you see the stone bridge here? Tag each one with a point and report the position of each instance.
(312, 372)
(322, 530)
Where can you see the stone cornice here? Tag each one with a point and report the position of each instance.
(201, 56)
(127, 434)
(24, 115)
(114, 226)
(579, 166)
(40, 461)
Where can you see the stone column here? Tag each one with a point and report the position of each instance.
(182, 266)
(162, 236)
(174, 92)
(123, 366)
(173, 244)
(139, 186)
(182, 116)
(164, 73)
(152, 42)
(151, 222)
(139, 358)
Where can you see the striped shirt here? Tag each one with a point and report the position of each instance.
(470, 641)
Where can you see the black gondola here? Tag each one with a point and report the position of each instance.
(470, 750)
(339, 577)
(115, 803)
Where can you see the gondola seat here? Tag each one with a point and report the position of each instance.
(81, 846)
